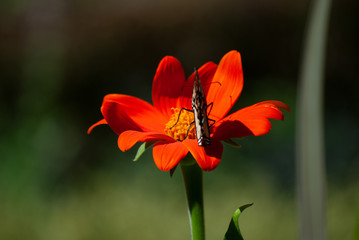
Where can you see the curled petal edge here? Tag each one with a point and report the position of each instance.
(249, 121)
(276, 103)
(103, 121)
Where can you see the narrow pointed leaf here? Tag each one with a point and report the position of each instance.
(233, 143)
(144, 146)
(233, 232)
(172, 171)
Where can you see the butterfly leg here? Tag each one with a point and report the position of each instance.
(213, 122)
(179, 114)
(189, 127)
(209, 105)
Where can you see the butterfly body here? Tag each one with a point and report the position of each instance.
(199, 107)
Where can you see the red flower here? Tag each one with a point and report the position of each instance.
(135, 120)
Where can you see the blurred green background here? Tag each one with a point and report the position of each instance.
(58, 58)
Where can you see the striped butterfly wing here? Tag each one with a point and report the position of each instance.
(199, 106)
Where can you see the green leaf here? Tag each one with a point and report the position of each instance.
(172, 171)
(233, 232)
(144, 146)
(231, 142)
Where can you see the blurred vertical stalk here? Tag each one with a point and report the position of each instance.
(356, 228)
(311, 177)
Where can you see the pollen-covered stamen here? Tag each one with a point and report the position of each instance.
(178, 125)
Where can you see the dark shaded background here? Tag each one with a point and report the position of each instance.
(59, 58)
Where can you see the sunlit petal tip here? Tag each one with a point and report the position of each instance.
(103, 121)
(232, 61)
(227, 84)
(167, 85)
(278, 104)
(232, 55)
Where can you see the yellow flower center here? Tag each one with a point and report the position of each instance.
(179, 125)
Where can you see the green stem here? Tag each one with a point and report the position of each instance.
(193, 181)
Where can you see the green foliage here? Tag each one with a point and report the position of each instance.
(144, 146)
(233, 232)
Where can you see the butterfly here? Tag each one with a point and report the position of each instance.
(199, 109)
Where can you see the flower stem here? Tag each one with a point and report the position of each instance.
(193, 181)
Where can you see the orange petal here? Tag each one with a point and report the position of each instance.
(167, 85)
(226, 86)
(124, 113)
(103, 121)
(207, 157)
(129, 138)
(227, 129)
(168, 154)
(278, 104)
(252, 120)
